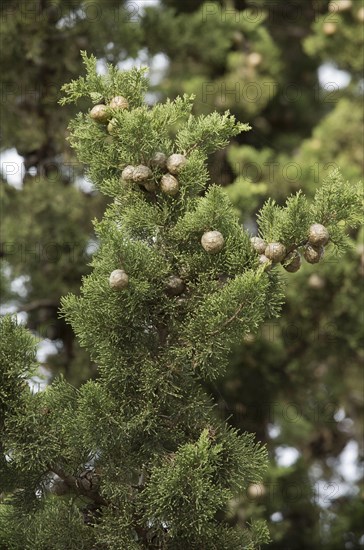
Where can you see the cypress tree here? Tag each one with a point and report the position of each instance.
(138, 458)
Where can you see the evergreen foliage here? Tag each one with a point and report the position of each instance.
(50, 248)
(299, 376)
(137, 458)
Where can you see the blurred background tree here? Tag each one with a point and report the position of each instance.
(47, 236)
(293, 71)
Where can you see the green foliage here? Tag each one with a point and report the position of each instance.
(298, 139)
(45, 529)
(194, 483)
(220, 321)
(141, 446)
(43, 52)
(210, 47)
(323, 151)
(343, 42)
(137, 135)
(247, 189)
(50, 247)
(208, 133)
(288, 224)
(17, 362)
(187, 502)
(44, 428)
(51, 242)
(100, 89)
(335, 202)
(135, 336)
(60, 517)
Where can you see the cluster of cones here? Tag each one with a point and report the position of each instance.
(312, 250)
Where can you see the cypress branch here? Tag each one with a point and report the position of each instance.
(166, 466)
